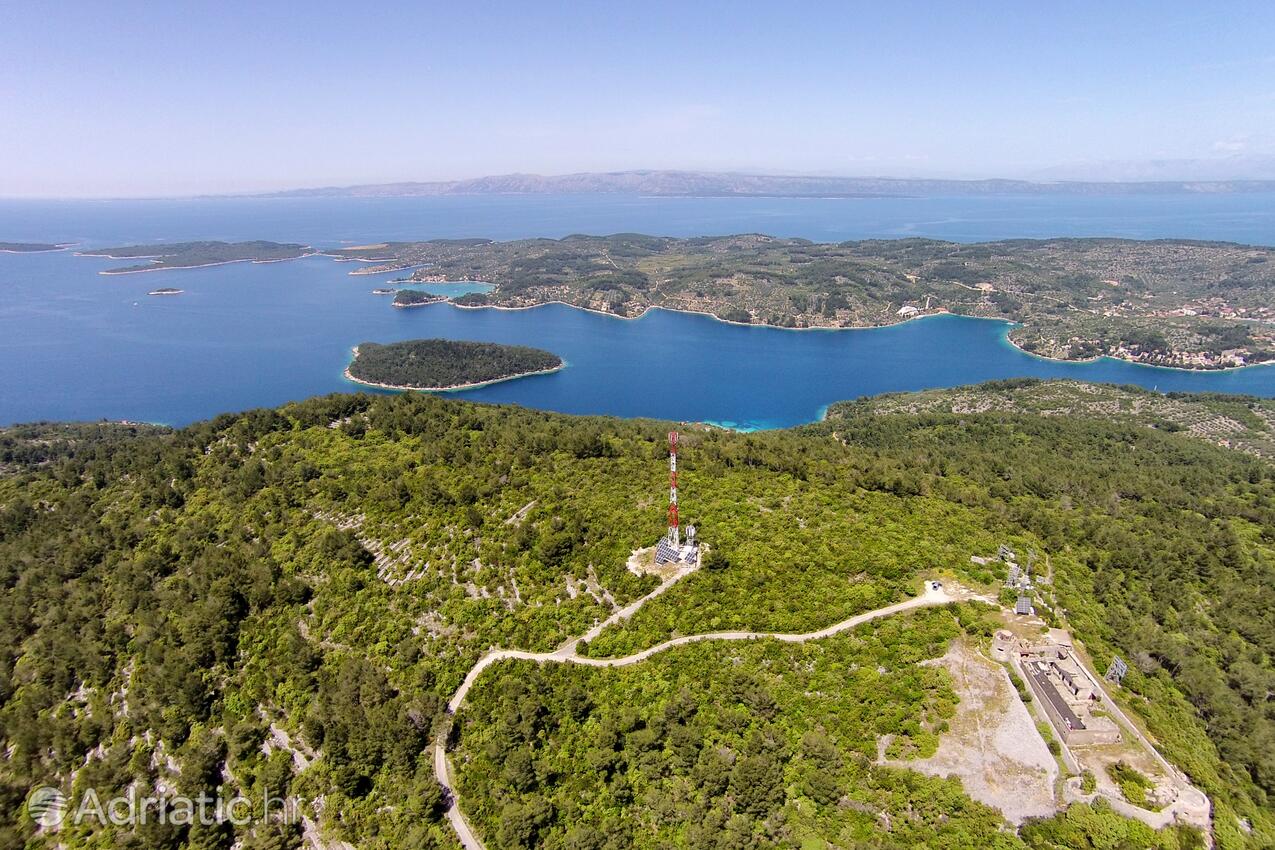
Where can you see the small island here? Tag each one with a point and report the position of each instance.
(195, 255)
(166, 290)
(445, 364)
(415, 298)
(30, 247)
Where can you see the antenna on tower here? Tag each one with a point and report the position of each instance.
(670, 548)
(674, 538)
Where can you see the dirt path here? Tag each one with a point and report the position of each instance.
(1192, 805)
(567, 654)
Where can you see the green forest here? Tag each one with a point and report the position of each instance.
(443, 363)
(286, 598)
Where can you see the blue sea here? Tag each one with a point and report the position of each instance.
(77, 345)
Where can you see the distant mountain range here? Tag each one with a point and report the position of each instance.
(1237, 167)
(711, 184)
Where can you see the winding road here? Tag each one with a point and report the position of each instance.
(933, 594)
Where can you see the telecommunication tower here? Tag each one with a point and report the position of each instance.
(674, 538)
(671, 549)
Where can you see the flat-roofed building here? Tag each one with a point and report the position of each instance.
(1066, 693)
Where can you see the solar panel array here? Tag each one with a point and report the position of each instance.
(666, 552)
(1024, 605)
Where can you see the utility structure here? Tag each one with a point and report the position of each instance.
(674, 538)
(671, 548)
(1116, 672)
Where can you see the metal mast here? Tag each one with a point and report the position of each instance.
(673, 537)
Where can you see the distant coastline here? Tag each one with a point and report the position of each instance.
(198, 255)
(711, 184)
(33, 247)
(164, 268)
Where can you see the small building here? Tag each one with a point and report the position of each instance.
(1069, 674)
(1002, 644)
(1066, 693)
(909, 310)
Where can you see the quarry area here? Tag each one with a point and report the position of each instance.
(992, 745)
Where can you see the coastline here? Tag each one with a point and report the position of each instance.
(161, 268)
(649, 307)
(454, 388)
(1197, 370)
(40, 251)
(1009, 322)
(373, 270)
(439, 300)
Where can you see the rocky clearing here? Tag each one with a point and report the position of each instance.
(992, 745)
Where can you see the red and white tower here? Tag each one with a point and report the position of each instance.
(674, 538)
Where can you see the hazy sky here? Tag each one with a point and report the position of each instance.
(176, 98)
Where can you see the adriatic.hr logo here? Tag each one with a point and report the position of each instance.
(50, 808)
(47, 806)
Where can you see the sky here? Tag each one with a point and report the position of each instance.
(139, 99)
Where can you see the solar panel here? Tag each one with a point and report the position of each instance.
(666, 552)
(1024, 605)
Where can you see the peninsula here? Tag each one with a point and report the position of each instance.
(445, 364)
(30, 247)
(413, 298)
(193, 255)
(1182, 303)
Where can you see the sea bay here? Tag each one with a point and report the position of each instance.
(78, 345)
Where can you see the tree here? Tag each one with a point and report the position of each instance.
(757, 783)
(715, 560)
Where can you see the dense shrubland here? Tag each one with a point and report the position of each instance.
(743, 745)
(176, 603)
